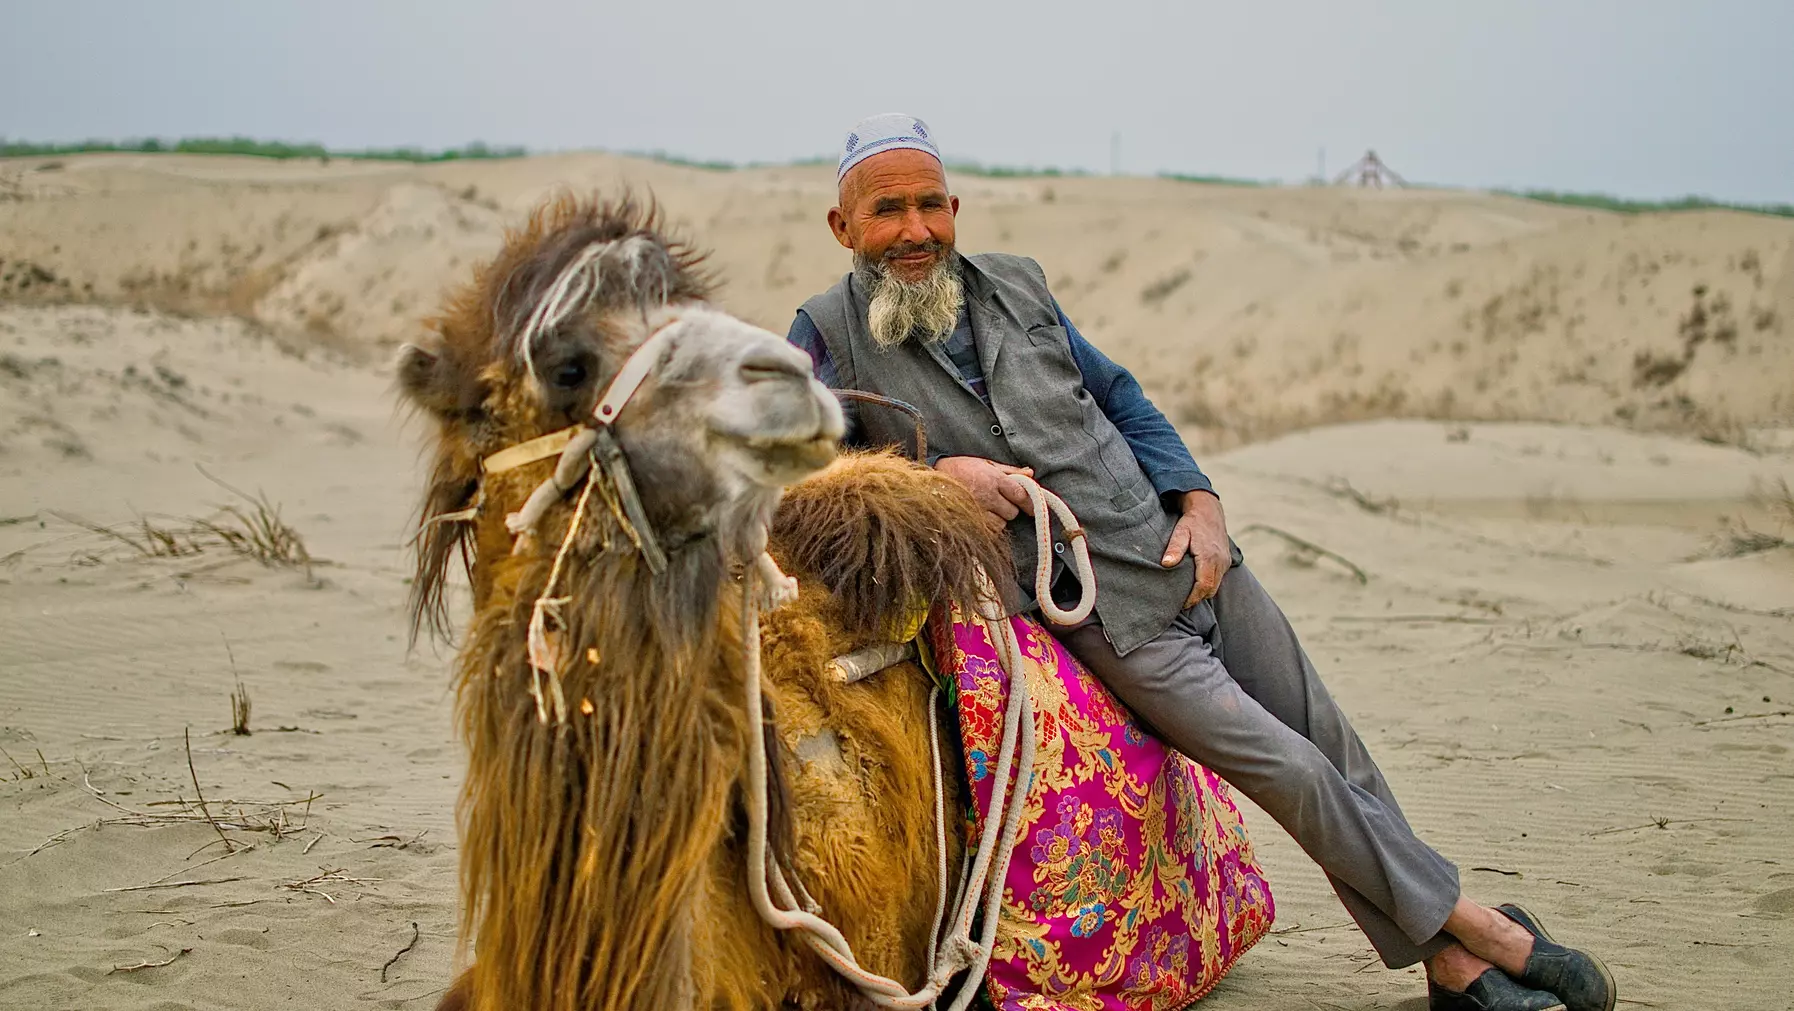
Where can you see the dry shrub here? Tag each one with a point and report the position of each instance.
(1158, 291)
(1780, 501)
(239, 710)
(256, 530)
(252, 529)
(239, 696)
(1656, 370)
(1739, 539)
(146, 537)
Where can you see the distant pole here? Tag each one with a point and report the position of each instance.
(1115, 153)
(1320, 174)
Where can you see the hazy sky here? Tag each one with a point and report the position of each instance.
(1636, 97)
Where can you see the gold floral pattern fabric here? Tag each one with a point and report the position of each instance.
(1133, 886)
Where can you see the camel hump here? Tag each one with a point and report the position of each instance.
(887, 536)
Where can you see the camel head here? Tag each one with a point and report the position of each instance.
(594, 672)
(727, 415)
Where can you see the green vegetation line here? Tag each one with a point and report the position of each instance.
(478, 151)
(255, 148)
(1618, 205)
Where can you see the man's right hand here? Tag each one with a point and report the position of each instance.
(988, 481)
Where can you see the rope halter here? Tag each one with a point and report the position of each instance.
(579, 447)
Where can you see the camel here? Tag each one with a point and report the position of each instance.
(604, 816)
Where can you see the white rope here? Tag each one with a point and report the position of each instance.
(981, 884)
(575, 463)
(544, 656)
(1010, 655)
(1043, 570)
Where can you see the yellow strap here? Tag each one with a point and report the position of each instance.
(540, 448)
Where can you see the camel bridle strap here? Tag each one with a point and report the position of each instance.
(577, 446)
(621, 389)
(580, 448)
(981, 878)
(629, 378)
(540, 448)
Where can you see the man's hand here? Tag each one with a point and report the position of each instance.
(1202, 534)
(988, 481)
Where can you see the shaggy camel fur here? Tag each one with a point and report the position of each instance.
(602, 857)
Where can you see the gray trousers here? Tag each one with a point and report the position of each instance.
(1228, 685)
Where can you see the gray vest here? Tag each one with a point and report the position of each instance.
(1040, 416)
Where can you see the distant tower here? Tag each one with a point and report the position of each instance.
(1369, 171)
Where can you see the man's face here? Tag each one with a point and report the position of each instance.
(895, 211)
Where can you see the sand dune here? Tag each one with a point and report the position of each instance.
(1569, 653)
(1248, 312)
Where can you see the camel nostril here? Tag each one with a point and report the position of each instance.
(768, 364)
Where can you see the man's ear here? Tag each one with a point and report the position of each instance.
(837, 223)
(429, 379)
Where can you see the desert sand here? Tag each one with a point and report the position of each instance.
(1525, 504)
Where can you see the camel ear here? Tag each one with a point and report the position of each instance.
(430, 379)
(419, 371)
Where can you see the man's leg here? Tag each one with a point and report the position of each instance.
(1256, 644)
(1258, 715)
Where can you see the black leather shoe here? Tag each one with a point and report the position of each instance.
(1576, 976)
(1492, 991)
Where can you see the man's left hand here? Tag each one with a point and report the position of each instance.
(1201, 533)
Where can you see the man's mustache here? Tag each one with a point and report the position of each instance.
(902, 249)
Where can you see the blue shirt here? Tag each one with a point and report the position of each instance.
(1156, 444)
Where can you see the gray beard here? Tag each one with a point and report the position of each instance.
(926, 309)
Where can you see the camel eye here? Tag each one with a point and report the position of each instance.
(570, 376)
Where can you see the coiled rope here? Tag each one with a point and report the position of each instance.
(981, 884)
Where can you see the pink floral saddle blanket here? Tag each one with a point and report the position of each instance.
(1133, 884)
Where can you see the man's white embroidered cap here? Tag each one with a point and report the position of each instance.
(891, 131)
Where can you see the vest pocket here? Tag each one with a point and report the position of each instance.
(1132, 495)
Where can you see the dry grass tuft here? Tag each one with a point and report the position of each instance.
(274, 818)
(256, 530)
(145, 537)
(239, 696)
(336, 877)
(252, 529)
(21, 772)
(239, 710)
(1739, 538)
(1780, 501)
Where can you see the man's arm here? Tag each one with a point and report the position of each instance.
(1201, 530)
(1156, 444)
(806, 337)
(809, 339)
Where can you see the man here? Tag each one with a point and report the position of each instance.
(1183, 632)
